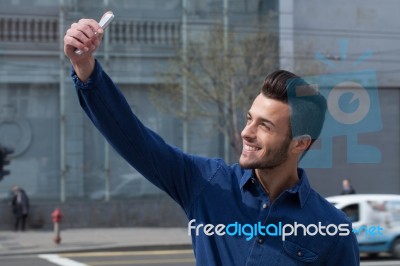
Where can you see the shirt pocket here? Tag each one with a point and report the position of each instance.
(298, 253)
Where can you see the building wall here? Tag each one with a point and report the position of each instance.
(365, 25)
(351, 37)
(141, 212)
(60, 159)
(379, 177)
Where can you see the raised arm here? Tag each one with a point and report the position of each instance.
(182, 176)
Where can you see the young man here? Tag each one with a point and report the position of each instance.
(259, 212)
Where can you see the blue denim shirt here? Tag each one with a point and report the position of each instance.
(212, 192)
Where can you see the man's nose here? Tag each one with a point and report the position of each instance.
(248, 132)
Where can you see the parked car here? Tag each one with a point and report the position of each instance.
(375, 219)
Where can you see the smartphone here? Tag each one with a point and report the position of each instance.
(104, 22)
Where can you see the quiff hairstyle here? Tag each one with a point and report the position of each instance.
(307, 105)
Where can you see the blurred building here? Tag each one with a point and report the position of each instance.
(354, 41)
(60, 158)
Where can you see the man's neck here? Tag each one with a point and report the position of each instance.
(278, 179)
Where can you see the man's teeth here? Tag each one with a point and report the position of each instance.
(250, 148)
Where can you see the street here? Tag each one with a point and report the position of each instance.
(116, 258)
(150, 257)
(123, 258)
(20, 260)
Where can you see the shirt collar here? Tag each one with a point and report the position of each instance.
(302, 188)
(246, 177)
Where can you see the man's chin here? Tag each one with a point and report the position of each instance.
(244, 164)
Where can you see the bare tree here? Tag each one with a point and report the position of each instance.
(221, 82)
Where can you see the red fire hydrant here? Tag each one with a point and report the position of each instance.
(57, 216)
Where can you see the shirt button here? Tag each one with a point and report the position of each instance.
(253, 181)
(299, 253)
(260, 240)
(265, 205)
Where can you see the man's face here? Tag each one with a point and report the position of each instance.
(266, 135)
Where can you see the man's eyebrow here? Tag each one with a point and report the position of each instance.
(263, 120)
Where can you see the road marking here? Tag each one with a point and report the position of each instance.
(56, 259)
(127, 253)
(380, 263)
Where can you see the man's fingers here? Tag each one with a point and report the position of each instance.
(89, 27)
(75, 43)
(88, 24)
(84, 35)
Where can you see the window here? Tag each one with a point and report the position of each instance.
(353, 212)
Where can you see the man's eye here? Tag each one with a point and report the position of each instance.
(265, 126)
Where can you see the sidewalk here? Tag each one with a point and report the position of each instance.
(74, 240)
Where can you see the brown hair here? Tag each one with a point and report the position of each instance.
(308, 105)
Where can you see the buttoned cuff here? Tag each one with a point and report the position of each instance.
(79, 84)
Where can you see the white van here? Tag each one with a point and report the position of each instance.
(376, 221)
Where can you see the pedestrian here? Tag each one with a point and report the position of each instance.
(20, 208)
(347, 187)
(240, 214)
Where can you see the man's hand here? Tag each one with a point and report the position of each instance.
(84, 35)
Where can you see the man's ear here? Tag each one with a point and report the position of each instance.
(301, 143)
